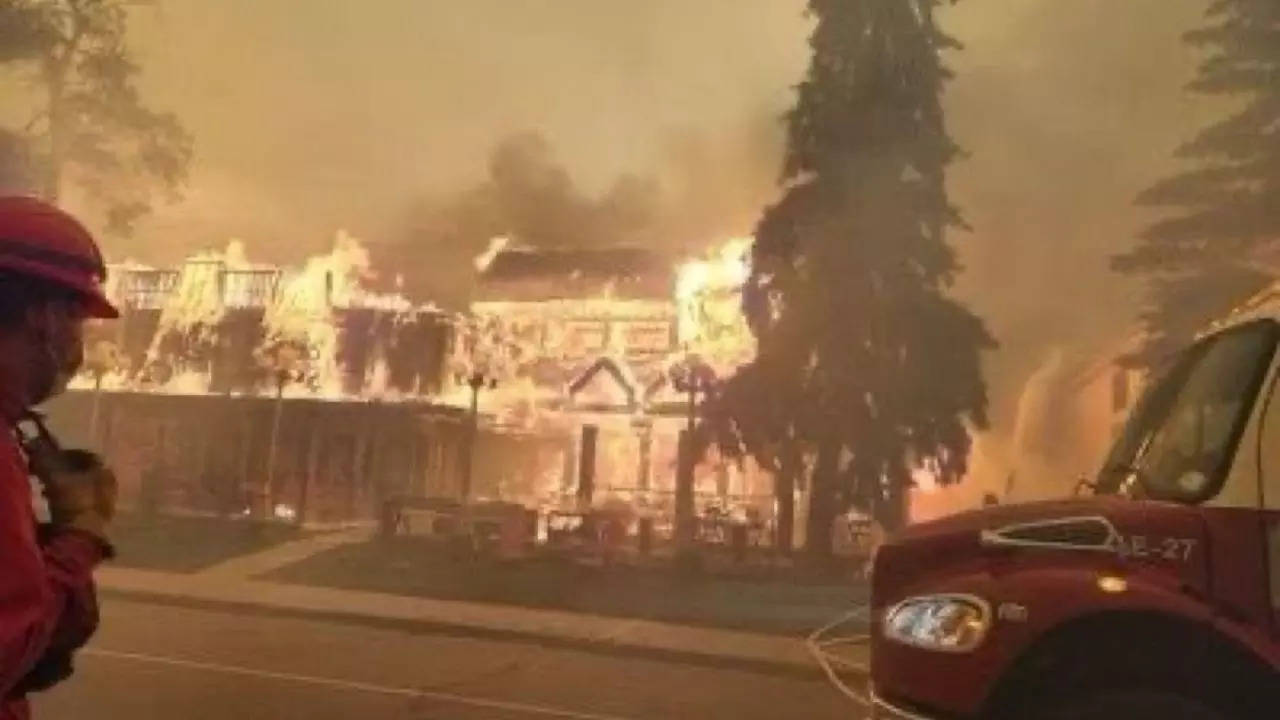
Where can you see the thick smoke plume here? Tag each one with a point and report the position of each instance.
(708, 190)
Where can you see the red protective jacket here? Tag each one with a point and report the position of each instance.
(46, 590)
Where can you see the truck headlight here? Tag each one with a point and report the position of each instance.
(945, 623)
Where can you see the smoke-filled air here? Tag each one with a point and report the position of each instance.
(639, 358)
(429, 128)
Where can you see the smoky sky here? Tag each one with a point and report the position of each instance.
(314, 115)
(1067, 111)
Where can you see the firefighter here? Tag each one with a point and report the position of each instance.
(50, 283)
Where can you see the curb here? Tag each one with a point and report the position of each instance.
(606, 646)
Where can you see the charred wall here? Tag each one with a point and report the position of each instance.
(332, 461)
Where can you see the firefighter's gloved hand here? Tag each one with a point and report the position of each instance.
(80, 489)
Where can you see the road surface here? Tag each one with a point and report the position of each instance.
(158, 661)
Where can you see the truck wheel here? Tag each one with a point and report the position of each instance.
(1130, 705)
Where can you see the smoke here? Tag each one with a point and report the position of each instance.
(347, 113)
(1067, 111)
(705, 191)
(15, 167)
(657, 122)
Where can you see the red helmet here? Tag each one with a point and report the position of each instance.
(40, 241)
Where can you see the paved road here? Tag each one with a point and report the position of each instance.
(156, 661)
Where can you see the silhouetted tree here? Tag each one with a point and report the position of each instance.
(1203, 257)
(758, 412)
(90, 126)
(881, 369)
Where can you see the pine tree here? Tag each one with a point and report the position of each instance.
(847, 296)
(91, 126)
(1201, 259)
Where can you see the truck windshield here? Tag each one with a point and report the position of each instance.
(1178, 443)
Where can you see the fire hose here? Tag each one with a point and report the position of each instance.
(826, 642)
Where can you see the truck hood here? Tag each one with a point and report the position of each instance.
(1168, 536)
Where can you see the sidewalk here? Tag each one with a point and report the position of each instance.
(274, 558)
(223, 587)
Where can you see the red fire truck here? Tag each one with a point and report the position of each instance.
(1156, 596)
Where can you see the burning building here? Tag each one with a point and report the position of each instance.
(587, 343)
(231, 387)
(238, 388)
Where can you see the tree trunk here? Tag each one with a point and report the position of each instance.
(247, 481)
(94, 412)
(891, 510)
(309, 473)
(468, 457)
(685, 530)
(52, 180)
(272, 448)
(56, 68)
(822, 503)
(785, 491)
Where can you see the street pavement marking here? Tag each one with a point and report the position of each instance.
(352, 685)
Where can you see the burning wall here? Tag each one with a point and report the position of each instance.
(590, 337)
(211, 351)
(234, 387)
(550, 316)
(221, 324)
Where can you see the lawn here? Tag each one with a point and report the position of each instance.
(188, 544)
(410, 566)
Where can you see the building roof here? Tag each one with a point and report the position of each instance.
(531, 273)
(606, 262)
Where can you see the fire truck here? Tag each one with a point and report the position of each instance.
(1155, 593)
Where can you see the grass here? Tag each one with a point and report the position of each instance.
(413, 567)
(188, 544)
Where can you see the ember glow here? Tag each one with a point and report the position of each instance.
(708, 297)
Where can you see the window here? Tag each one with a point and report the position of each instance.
(1179, 443)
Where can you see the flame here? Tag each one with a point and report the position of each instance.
(535, 348)
(188, 382)
(486, 258)
(197, 299)
(300, 318)
(113, 284)
(708, 301)
(527, 351)
(189, 317)
(726, 267)
(302, 315)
